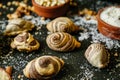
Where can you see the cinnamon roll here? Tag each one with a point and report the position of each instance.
(62, 42)
(43, 67)
(97, 55)
(62, 24)
(17, 26)
(25, 42)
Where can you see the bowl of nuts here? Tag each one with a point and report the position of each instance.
(50, 8)
(109, 22)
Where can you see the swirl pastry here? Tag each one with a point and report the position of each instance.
(62, 42)
(43, 67)
(97, 55)
(62, 24)
(25, 42)
(4, 75)
(17, 26)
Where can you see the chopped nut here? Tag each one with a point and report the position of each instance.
(13, 2)
(32, 9)
(9, 4)
(14, 15)
(88, 17)
(25, 1)
(23, 4)
(19, 76)
(22, 9)
(36, 33)
(43, 18)
(89, 12)
(0, 13)
(48, 3)
(11, 9)
(85, 10)
(9, 70)
(116, 54)
(94, 13)
(16, 3)
(94, 17)
(1, 5)
(81, 13)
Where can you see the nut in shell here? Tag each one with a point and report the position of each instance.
(97, 55)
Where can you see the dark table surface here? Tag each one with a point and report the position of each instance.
(76, 66)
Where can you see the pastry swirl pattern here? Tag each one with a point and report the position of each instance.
(25, 42)
(17, 26)
(97, 55)
(43, 67)
(62, 24)
(62, 42)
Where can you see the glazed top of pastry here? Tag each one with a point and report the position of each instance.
(50, 3)
(111, 16)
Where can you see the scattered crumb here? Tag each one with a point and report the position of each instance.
(116, 54)
(0, 13)
(42, 18)
(4, 7)
(36, 33)
(118, 65)
(87, 13)
(38, 28)
(11, 9)
(9, 3)
(19, 76)
(1, 5)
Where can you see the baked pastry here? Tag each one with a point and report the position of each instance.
(97, 55)
(62, 24)
(4, 75)
(61, 41)
(43, 67)
(25, 42)
(17, 26)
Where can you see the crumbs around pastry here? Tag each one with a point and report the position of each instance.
(87, 13)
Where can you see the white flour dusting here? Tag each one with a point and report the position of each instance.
(93, 33)
(111, 16)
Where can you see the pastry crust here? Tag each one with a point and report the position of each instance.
(17, 26)
(62, 42)
(25, 42)
(62, 24)
(4, 75)
(43, 67)
(97, 55)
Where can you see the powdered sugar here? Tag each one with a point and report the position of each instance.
(93, 33)
(111, 16)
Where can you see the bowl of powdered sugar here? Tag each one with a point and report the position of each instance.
(109, 22)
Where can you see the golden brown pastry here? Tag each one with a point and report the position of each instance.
(43, 67)
(62, 42)
(25, 42)
(4, 75)
(97, 55)
(17, 26)
(62, 24)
